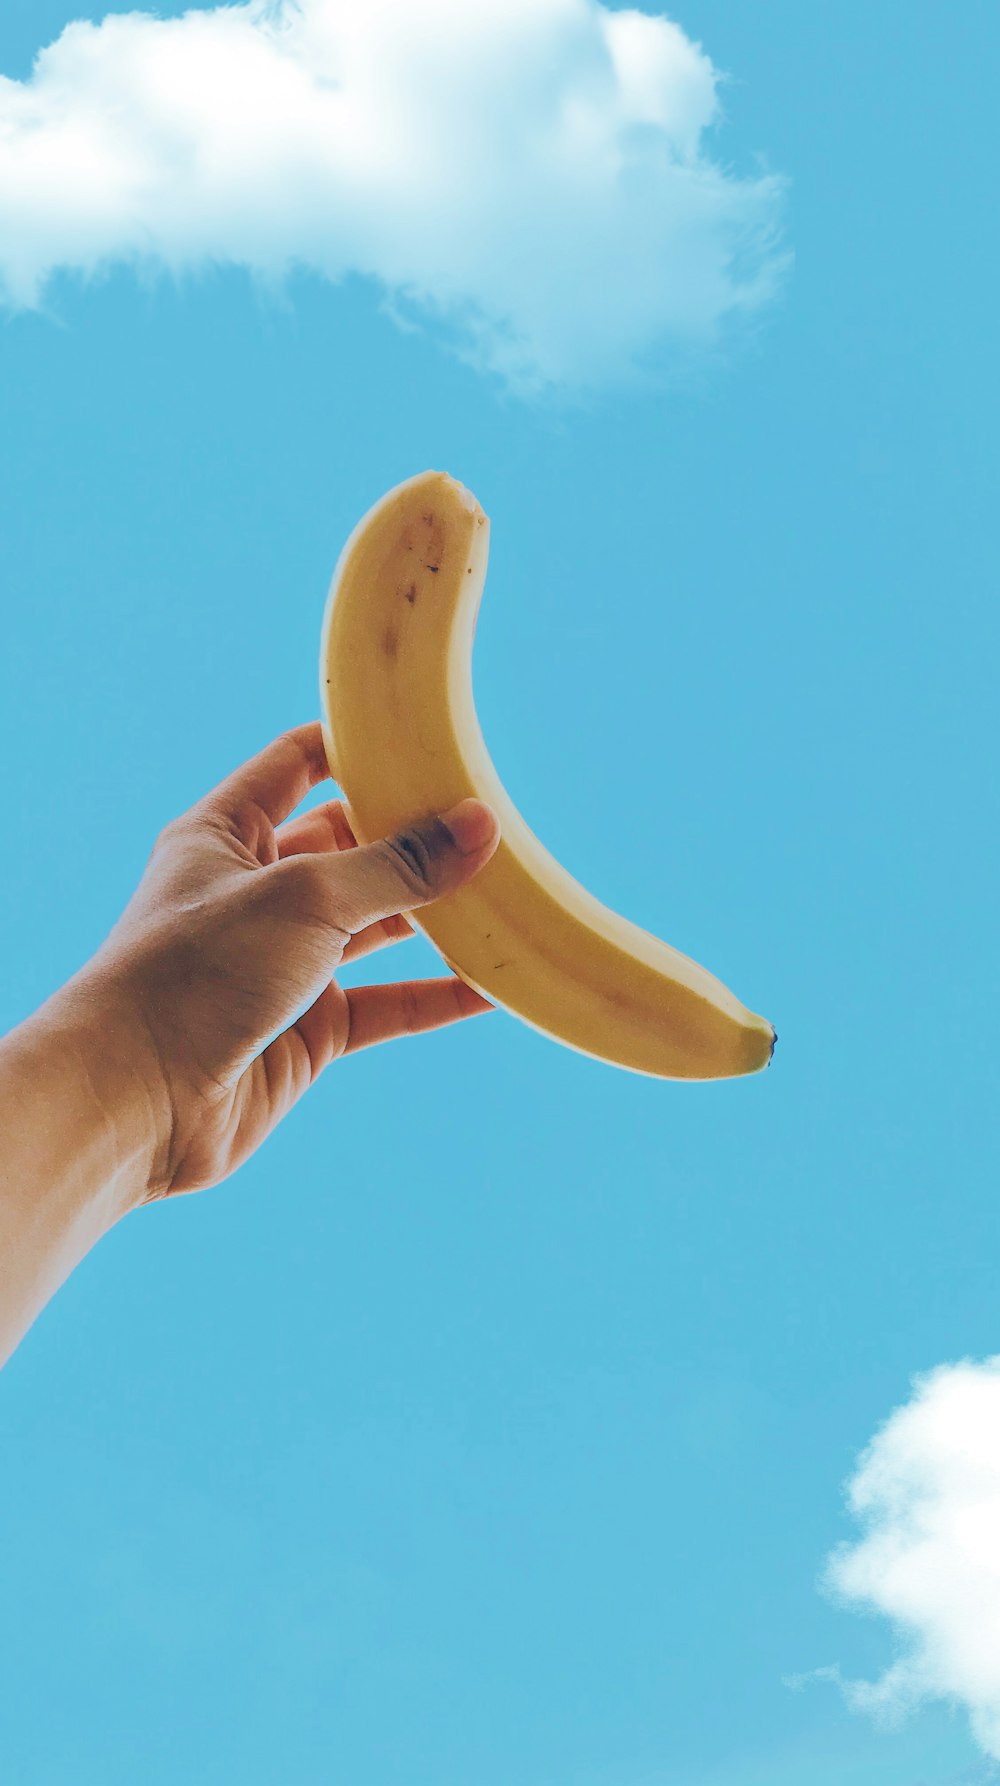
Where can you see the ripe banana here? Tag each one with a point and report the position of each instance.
(403, 741)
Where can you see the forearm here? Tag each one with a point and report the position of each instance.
(78, 1142)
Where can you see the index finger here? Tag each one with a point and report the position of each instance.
(277, 778)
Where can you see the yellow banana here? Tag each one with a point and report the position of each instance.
(403, 741)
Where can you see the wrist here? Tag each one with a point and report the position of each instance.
(90, 1028)
(84, 1140)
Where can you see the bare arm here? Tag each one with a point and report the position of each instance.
(147, 1074)
(81, 1118)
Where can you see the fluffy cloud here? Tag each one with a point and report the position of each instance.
(531, 174)
(927, 1493)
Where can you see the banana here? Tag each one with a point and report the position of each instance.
(403, 741)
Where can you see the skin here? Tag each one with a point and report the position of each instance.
(150, 1073)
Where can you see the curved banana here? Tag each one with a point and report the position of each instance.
(403, 741)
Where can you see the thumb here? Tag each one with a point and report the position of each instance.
(431, 857)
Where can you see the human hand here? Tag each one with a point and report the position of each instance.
(241, 917)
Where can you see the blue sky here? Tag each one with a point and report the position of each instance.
(493, 1424)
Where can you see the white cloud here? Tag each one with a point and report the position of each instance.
(927, 1492)
(531, 173)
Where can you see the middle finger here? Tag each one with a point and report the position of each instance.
(325, 827)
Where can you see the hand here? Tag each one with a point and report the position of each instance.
(240, 918)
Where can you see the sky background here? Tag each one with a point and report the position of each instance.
(492, 1426)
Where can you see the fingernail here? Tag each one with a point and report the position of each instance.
(470, 823)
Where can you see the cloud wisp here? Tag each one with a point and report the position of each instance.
(927, 1493)
(530, 175)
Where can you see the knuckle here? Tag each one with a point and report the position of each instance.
(415, 852)
(165, 836)
(296, 882)
(410, 857)
(180, 833)
(410, 1011)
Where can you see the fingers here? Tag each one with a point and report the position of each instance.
(340, 1022)
(326, 1031)
(378, 936)
(382, 1013)
(319, 1034)
(325, 827)
(277, 778)
(415, 866)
